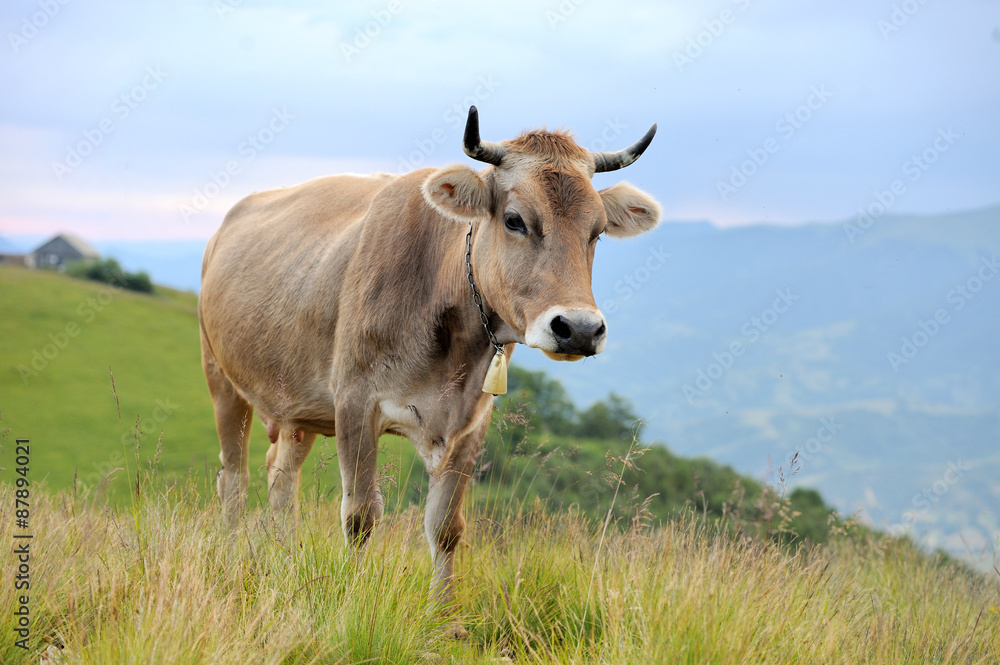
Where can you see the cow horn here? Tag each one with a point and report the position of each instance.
(612, 161)
(483, 151)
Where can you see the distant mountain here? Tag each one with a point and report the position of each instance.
(876, 359)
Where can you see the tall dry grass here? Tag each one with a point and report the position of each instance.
(161, 581)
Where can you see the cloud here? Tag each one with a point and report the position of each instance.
(568, 63)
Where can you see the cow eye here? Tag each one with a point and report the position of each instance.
(514, 223)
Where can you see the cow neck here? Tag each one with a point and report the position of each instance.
(496, 377)
(476, 298)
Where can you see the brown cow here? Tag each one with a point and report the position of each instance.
(343, 306)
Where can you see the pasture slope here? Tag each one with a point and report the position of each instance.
(162, 582)
(132, 566)
(60, 341)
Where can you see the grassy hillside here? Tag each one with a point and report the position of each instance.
(680, 574)
(63, 339)
(161, 582)
(60, 341)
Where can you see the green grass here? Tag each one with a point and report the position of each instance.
(161, 581)
(152, 577)
(64, 403)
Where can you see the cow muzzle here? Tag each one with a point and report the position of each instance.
(568, 334)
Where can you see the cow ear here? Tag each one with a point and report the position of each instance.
(630, 211)
(458, 192)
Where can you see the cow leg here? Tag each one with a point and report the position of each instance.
(284, 469)
(444, 525)
(443, 520)
(357, 453)
(232, 422)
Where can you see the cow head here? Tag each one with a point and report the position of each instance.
(536, 219)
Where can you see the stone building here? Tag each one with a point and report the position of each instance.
(60, 250)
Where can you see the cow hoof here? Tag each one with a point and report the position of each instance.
(456, 632)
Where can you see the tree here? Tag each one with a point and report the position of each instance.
(613, 418)
(552, 410)
(109, 271)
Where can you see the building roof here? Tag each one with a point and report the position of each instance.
(85, 249)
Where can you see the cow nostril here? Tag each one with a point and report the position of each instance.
(560, 327)
(600, 331)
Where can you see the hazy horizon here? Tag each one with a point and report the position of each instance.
(149, 122)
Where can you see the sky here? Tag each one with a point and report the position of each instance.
(148, 121)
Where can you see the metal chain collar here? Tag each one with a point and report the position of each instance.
(475, 293)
